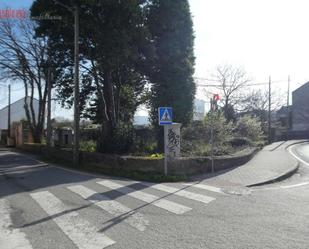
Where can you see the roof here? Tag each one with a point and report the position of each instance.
(301, 88)
(22, 99)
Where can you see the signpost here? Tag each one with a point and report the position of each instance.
(165, 115)
(213, 109)
(171, 135)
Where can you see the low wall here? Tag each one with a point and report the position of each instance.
(108, 163)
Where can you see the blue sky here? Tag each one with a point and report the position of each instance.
(265, 37)
(16, 3)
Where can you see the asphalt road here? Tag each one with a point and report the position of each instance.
(49, 207)
(303, 152)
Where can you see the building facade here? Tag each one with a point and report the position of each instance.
(199, 110)
(300, 109)
(17, 112)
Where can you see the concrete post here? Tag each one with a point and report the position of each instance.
(171, 143)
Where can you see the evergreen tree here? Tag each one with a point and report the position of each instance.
(172, 71)
(113, 52)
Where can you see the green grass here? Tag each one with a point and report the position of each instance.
(134, 175)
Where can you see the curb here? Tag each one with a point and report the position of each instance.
(296, 142)
(286, 174)
(281, 177)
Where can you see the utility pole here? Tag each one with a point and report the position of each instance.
(288, 97)
(269, 110)
(49, 129)
(212, 144)
(76, 88)
(76, 81)
(288, 110)
(9, 113)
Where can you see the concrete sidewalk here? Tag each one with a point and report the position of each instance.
(272, 163)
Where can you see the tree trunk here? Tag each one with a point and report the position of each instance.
(108, 124)
(109, 97)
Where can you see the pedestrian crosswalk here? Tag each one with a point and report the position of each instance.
(145, 197)
(205, 187)
(79, 230)
(10, 239)
(180, 192)
(135, 219)
(84, 233)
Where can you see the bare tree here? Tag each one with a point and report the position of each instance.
(255, 102)
(231, 81)
(24, 58)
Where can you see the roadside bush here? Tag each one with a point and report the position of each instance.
(88, 146)
(240, 141)
(120, 142)
(196, 137)
(249, 127)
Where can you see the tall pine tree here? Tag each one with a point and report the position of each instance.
(171, 76)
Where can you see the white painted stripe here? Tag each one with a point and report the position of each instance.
(283, 187)
(183, 193)
(148, 198)
(205, 187)
(135, 219)
(80, 231)
(10, 238)
(295, 185)
(297, 157)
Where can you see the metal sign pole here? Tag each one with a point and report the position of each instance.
(165, 149)
(212, 148)
(165, 115)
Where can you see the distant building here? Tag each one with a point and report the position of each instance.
(141, 121)
(300, 109)
(199, 109)
(283, 116)
(199, 113)
(18, 112)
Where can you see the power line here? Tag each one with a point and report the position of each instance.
(252, 84)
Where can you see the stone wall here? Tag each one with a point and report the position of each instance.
(182, 166)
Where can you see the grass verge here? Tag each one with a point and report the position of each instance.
(134, 175)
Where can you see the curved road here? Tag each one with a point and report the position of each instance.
(46, 207)
(302, 151)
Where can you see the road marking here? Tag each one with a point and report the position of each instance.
(205, 187)
(10, 238)
(135, 219)
(283, 187)
(183, 193)
(297, 157)
(148, 198)
(295, 185)
(79, 230)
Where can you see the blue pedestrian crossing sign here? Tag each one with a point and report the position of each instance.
(165, 115)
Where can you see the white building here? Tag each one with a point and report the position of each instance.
(17, 112)
(199, 110)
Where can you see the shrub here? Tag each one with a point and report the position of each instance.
(196, 137)
(249, 127)
(88, 146)
(240, 141)
(120, 141)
